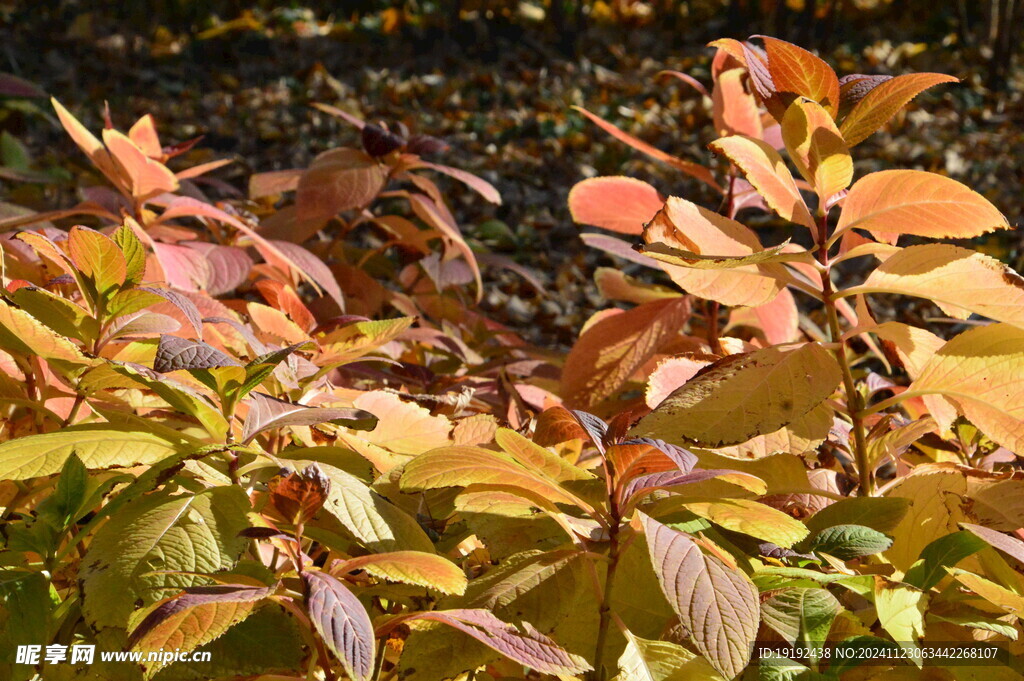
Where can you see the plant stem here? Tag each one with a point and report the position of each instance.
(853, 402)
(606, 600)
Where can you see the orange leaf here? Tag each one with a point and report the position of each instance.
(734, 108)
(689, 227)
(767, 172)
(817, 149)
(611, 350)
(798, 73)
(620, 204)
(146, 177)
(884, 100)
(692, 169)
(893, 202)
(338, 180)
(98, 258)
(143, 134)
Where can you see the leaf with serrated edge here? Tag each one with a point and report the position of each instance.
(767, 173)
(700, 261)
(609, 352)
(98, 257)
(185, 534)
(532, 455)
(410, 567)
(744, 395)
(196, 617)
(749, 517)
(893, 202)
(524, 644)
(795, 72)
(686, 226)
(801, 615)
(99, 446)
(717, 604)
(901, 611)
(342, 622)
(646, 660)
(883, 101)
(982, 370)
(464, 466)
(620, 204)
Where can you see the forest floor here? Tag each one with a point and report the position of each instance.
(503, 103)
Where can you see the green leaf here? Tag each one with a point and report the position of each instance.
(64, 505)
(371, 520)
(98, 258)
(943, 552)
(258, 369)
(849, 541)
(134, 254)
(878, 513)
(196, 533)
(749, 517)
(972, 618)
(802, 616)
(98, 446)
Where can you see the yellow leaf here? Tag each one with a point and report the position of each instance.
(893, 202)
(951, 276)
(686, 226)
(410, 567)
(750, 517)
(816, 148)
(982, 370)
(745, 395)
(767, 172)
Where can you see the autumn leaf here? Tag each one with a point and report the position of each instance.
(883, 100)
(744, 395)
(817, 148)
(795, 73)
(893, 202)
(619, 204)
(717, 604)
(342, 622)
(767, 173)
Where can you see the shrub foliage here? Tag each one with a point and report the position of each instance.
(279, 430)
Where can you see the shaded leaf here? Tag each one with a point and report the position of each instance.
(717, 604)
(847, 542)
(342, 622)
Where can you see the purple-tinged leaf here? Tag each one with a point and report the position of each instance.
(300, 496)
(378, 141)
(12, 86)
(174, 353)
(186, 306)
(210, 624)
(267, 412)
(142, 323)
(716, 603)
(263, 533)
(477, 184)
(524, 644)
(595, 427)
(422, 145)
(1011, 546)
(229, 266)
(770, 550)
(311, 268)
(854, 87)
(342, 623)
(618, 248)
(669, 479)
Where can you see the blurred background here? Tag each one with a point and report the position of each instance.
(496, 79)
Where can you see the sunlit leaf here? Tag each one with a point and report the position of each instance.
(767, 172)
(795, 72)
(610, 351)
(750, 517)
(817, 149)
(893, 202)
(410, 567)
(620, 204)
(882, 101)
(745, 395)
